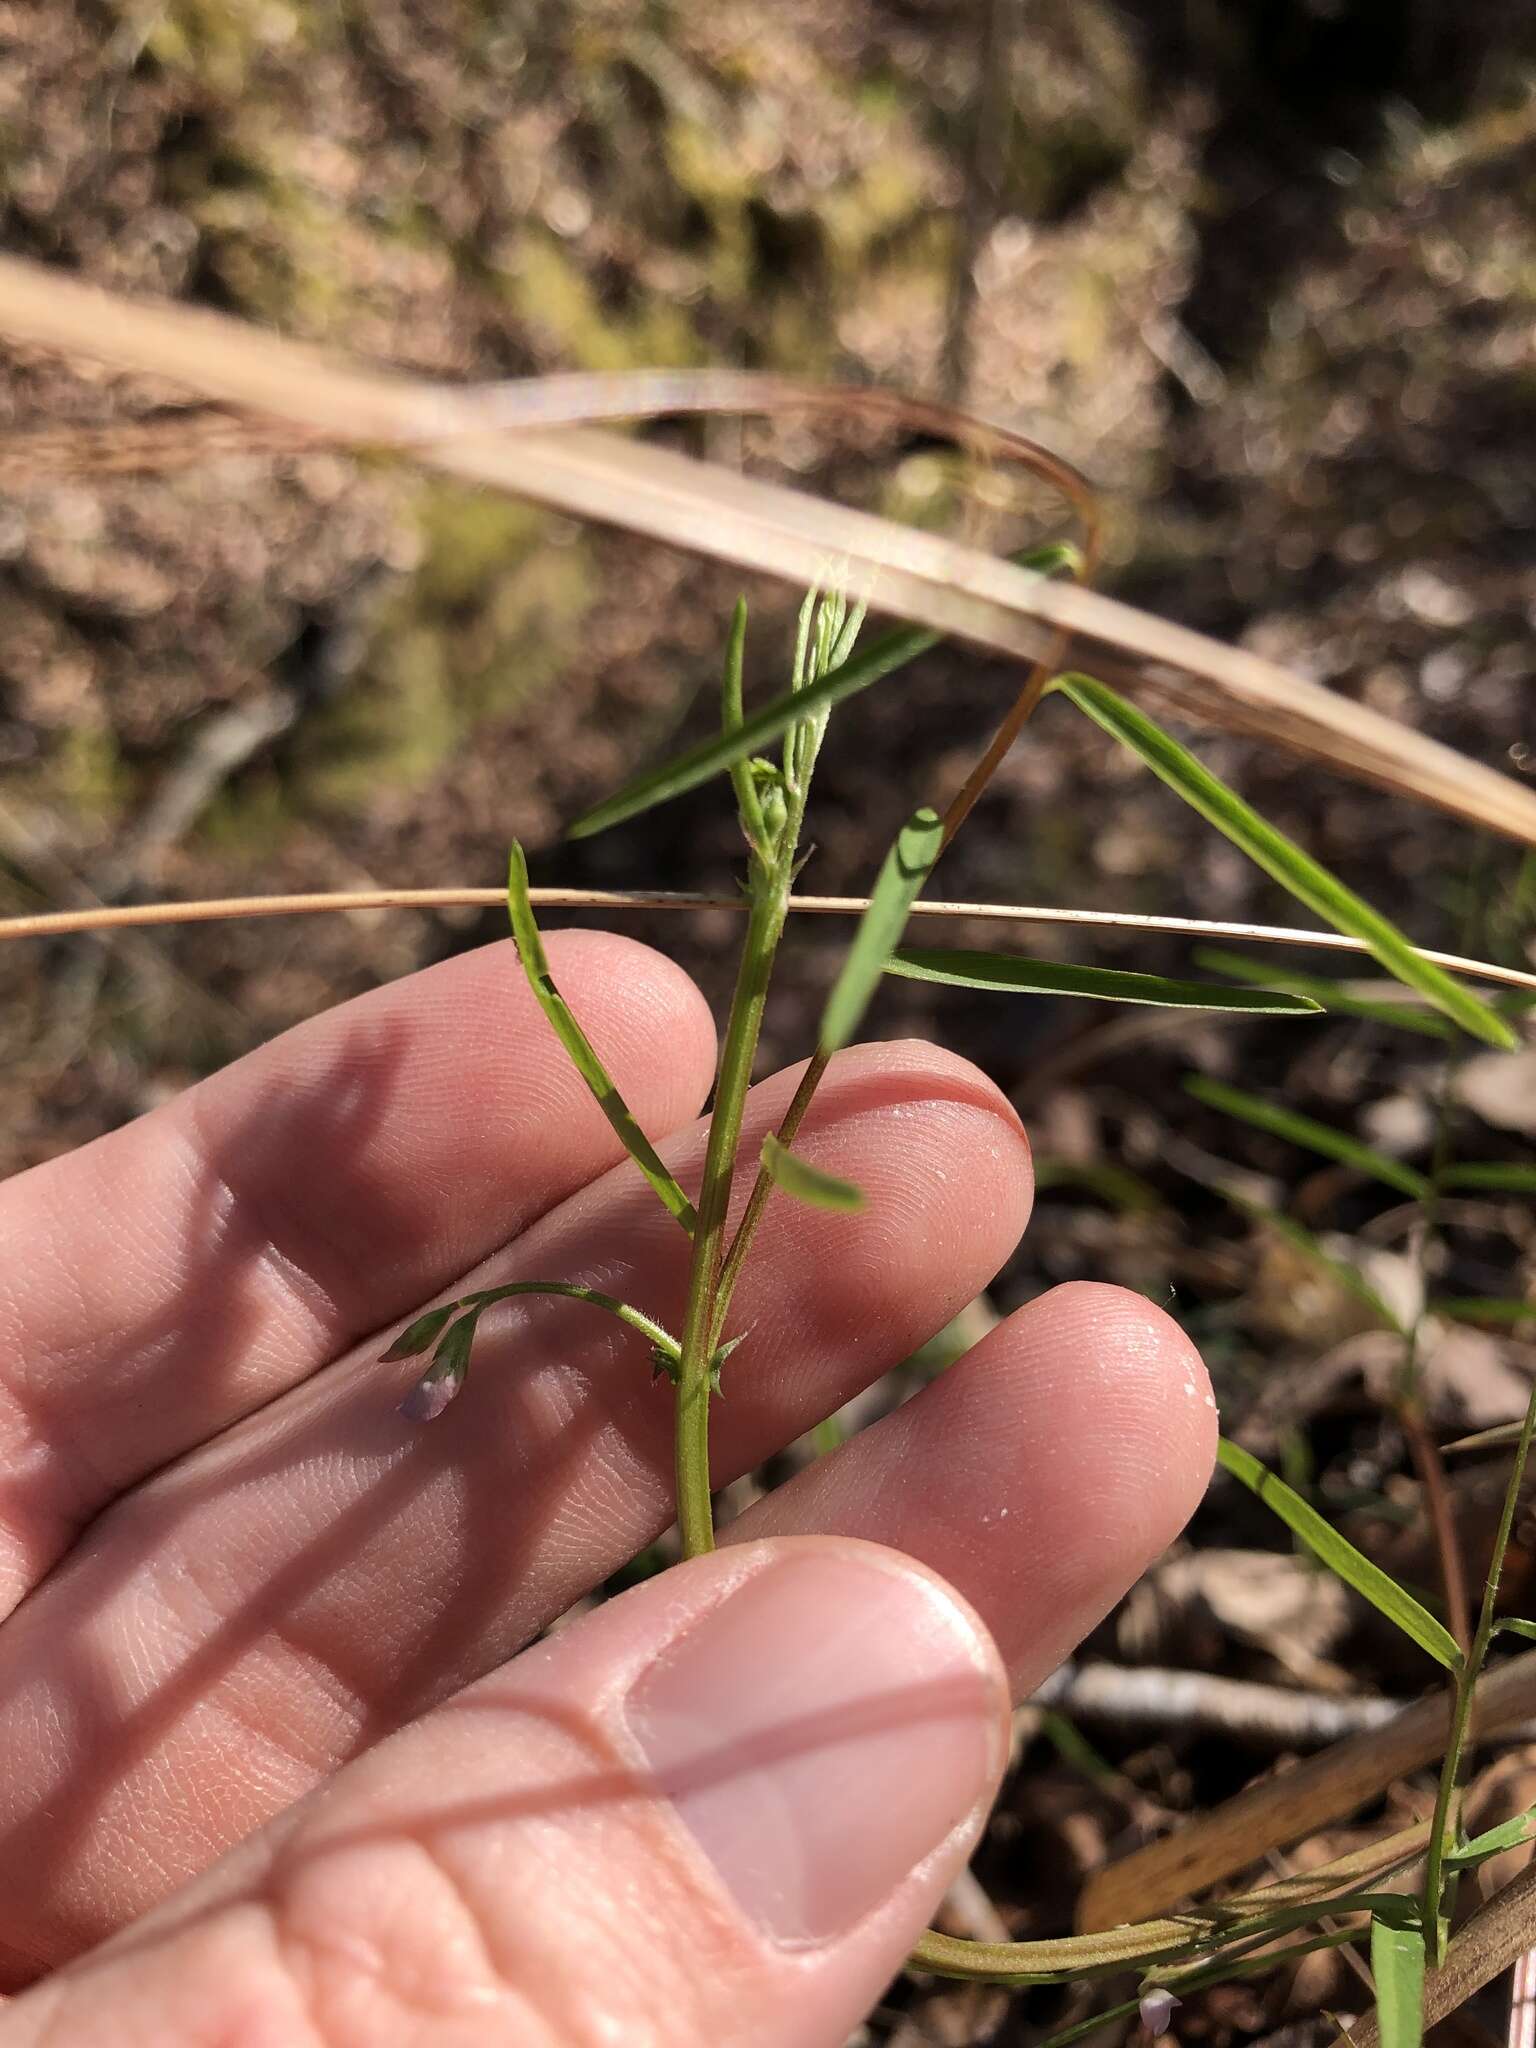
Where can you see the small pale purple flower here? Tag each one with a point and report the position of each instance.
(430, 1396)
(1157, 2010)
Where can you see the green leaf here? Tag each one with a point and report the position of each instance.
(1516, 1625)
(1496, 1176)
(902, 875)
(807, 1183)
(742, 778)
(1329, 995)
(1011, 971)
(579, 1047)
(1316, 1137)
(1509, 1834)
(1397, 1964)
(1484, 1308)
(1341, 1556)
(418, 1336)
(1295, 870)
(880, 658)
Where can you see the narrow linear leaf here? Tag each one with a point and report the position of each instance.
(880, 658)
(1484, 1308)
(902, 875)
(1516, 1625)
(1341, 1556)
(579, 1047)
(1011, 972)
(1329, 995)
(419, 1336)
(1282, 858)
(1495, 1176)
(1304, 1130)
(1397, 1964)
(1509, 1834)
(731, 715)
(807, 1183)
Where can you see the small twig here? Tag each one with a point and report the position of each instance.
(1298, 1802)
(218, 749)
(1152, 1697)
(1442, 1521)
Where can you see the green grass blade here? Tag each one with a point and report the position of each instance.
(1397, 1964)
(1483, 1308)
(1495, 1176)
(902, 875)
(710, 757)
(583, 1057)
(807, 1183)
(1295, 870)
(1329, 995)
(1341, 1556)
(1509, 1834)
(1316, 1137)
(880, 658)
(1010, 971)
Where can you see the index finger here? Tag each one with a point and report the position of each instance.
(178, 1274)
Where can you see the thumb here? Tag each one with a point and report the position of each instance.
(717, 1811)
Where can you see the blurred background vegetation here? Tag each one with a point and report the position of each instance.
(1267, 273)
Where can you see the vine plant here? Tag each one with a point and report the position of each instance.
(1200, 1945)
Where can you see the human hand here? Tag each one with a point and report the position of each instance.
(717, 1810)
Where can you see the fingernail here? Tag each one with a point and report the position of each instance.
(821, 1732)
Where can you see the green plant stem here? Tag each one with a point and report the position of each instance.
(762, 1187)
(770, 891)
(1466, 1683)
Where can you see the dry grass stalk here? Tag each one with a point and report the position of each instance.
(521, 437)
(94, 918)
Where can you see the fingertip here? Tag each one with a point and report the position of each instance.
(1040, 1475)
(1152, 1421)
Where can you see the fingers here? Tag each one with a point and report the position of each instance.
(715, 1813)
(325, 1570)
(181, 1272)
(1040, 1475)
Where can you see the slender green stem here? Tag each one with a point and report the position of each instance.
(1461, 1719)
(762, 1187)
(770, 890)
